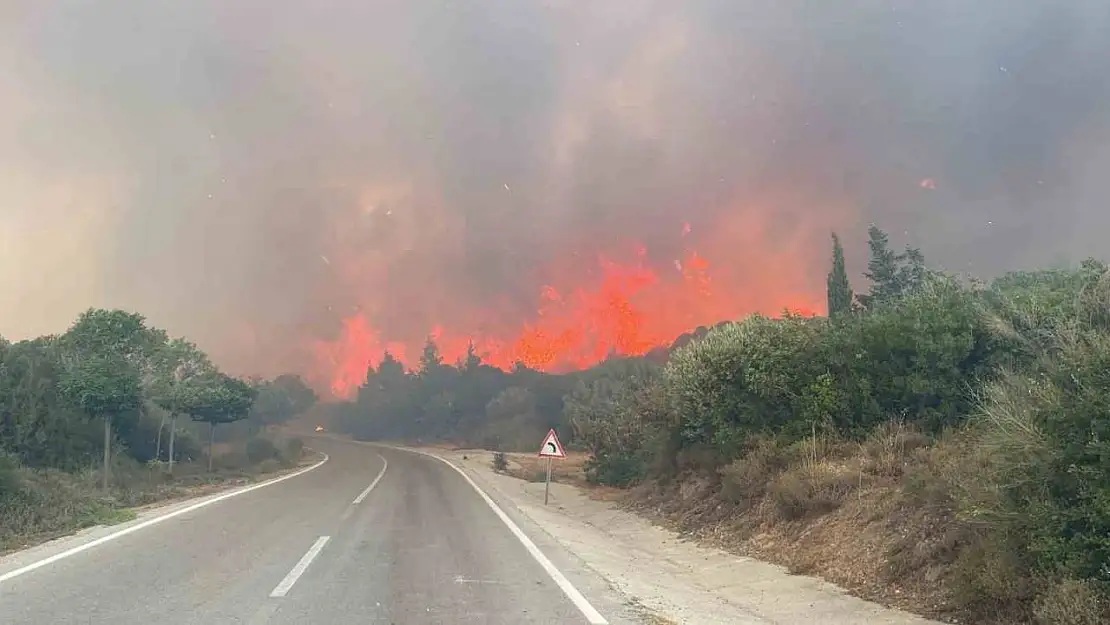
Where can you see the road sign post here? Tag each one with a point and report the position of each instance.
(547, 484)
(550, 448)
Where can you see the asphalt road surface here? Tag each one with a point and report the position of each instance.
(373, 535)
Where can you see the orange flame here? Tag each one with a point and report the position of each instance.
(627, 309)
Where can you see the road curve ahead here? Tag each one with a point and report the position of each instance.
(373, 535)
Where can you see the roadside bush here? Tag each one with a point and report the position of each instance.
(500, 461)
(616, 468)
(742, 379)
(1050, 437)
(270, 465)
(259, 448)
(620, 414)
(236, 461)
(916, 360)
(10, 482)
(294, 449)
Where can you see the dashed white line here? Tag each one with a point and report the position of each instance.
(363, 494)
(281, 589)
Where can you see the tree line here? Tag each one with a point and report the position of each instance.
(112, 385)
(471, 402)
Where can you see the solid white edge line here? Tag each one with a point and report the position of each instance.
(145, 524)
(363, 494)
(592, 615)
(300, 567)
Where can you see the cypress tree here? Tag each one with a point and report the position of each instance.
(839, 289)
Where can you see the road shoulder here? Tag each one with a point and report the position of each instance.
(674, 579)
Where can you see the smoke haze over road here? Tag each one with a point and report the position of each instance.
(298, 185)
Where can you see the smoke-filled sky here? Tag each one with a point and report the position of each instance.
(281, 181)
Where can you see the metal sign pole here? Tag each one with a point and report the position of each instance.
(547, 484)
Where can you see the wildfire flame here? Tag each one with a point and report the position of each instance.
(627, 308)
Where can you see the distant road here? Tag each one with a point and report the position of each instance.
(373, 535)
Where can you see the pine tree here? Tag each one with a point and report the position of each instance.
(839, 289)
(893, 276)
(911, 275)
(430, 360)
(473, 360)
(882, 270)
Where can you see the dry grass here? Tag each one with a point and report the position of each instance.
(47, 504)
(812, 490)
(836, 510)
(883, 519)
(533, 468)
(888, 450)
(1071, 602)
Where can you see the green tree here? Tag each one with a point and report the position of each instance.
(103, 386)
(472, 360)
(281, 399)
(882, 269)
(37, 424)
(511, 420)
(221, 399)
(892, 275)
(180, 370)
(106, 355)
(839, 289)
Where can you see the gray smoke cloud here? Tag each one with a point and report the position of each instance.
(250, 173)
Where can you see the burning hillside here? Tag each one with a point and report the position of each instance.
(625, 303)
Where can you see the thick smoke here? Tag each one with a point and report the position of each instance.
(251, 173)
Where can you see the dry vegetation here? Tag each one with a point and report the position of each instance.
(879, 518)
(43, 504)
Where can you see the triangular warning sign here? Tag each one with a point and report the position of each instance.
(551, 447)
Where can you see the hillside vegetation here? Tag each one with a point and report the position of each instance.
(935, 442)
(114, 414)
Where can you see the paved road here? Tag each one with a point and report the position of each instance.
(421, 546)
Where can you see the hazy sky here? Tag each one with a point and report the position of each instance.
(248, 173)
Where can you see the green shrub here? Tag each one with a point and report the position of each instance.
(615, 468)
(742, 379)
(10, 482)
(294, 450)
(917, 360)
(259, 449)
(269, 465)
(234, 461)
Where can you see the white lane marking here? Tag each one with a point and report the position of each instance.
(363, 494)
(145, 524)
(579, 601)
(300, 567)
